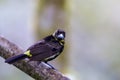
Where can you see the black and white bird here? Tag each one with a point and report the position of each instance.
(45, 50)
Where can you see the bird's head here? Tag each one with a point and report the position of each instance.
(59, 35)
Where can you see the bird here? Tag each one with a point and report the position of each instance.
(44, 50)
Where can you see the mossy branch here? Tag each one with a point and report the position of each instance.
(38, 72)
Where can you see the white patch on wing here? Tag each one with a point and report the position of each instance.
(52, 56)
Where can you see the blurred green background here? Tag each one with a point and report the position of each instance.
(93, 35)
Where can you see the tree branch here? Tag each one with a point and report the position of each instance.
(38, 72)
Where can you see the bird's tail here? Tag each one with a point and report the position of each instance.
(15, 58)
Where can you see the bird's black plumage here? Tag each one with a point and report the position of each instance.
(45, 50)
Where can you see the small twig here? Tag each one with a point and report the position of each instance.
(38, 72)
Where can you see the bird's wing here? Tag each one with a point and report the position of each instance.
(37, 48)
(41, 50)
